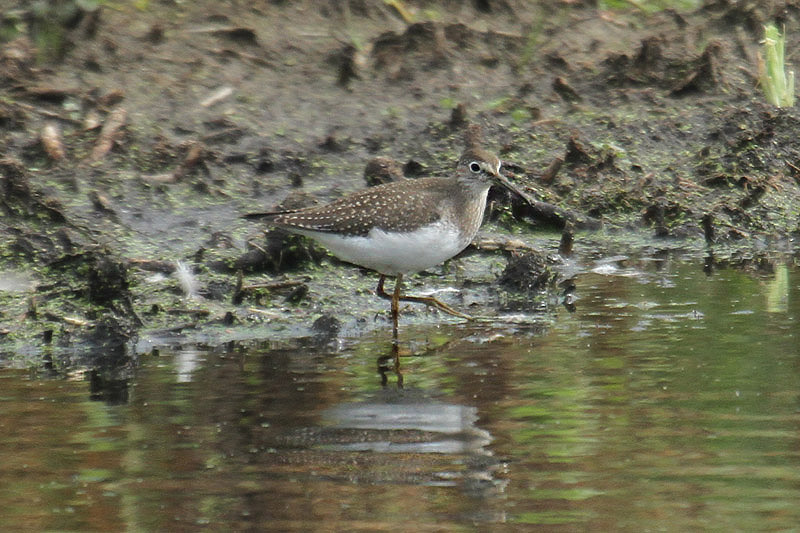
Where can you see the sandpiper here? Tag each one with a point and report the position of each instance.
(405, 226)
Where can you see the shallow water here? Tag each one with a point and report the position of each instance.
(667, 401)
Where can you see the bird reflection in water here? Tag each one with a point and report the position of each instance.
(390, 363)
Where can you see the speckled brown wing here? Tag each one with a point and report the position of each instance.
(397, 207)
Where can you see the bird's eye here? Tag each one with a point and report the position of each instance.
(475, 167)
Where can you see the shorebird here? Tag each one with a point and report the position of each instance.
(404, 226)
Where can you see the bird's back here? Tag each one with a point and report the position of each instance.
(399, 206)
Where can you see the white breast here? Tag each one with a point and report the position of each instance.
(397, 253)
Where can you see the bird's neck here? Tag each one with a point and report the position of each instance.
(473, 212)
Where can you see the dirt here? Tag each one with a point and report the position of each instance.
(135, 135)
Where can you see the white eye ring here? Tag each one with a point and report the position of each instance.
(475, 167)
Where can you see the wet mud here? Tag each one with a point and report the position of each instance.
(133, 139)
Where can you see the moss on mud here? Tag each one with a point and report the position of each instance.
(661, 130)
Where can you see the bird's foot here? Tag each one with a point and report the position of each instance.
(430, 301)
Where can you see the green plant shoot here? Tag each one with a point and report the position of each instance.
(778, 86)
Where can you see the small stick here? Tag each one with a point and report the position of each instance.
(109, 133)
(51, 141)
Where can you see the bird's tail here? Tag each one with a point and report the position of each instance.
(268, 215)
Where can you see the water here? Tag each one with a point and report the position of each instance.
(667, 401)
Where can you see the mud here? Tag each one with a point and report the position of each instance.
(133, 139)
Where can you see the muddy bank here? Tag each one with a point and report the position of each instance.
(133, 140)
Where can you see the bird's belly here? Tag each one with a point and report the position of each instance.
(397, 253)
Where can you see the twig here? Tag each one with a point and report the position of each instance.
(550, 172)
(272, 285)
(196, 312)
(506, 245)
(217, 96)
(51, 141)
(109, 133)
(263, 312)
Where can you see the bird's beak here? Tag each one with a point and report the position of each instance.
(501, 180)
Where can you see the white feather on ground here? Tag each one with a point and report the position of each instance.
(189, 285)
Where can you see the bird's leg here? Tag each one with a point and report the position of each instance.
(395, 299)
(384, 368)
(396, 306)
(397, 372)
(430, 301)
(380, 292)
